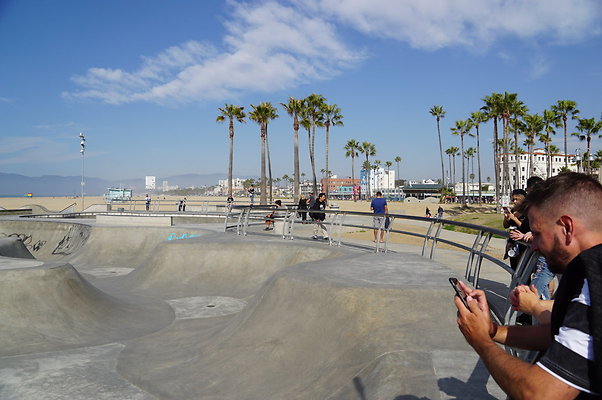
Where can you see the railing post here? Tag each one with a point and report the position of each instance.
(427, 237)
(437, 233)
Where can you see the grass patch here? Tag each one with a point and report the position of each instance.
(489, 220)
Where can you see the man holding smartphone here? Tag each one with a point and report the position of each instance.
(566, 223)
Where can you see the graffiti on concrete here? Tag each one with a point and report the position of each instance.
(174, 236)
(71, 241)
(27, 241)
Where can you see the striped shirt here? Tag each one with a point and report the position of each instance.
(570, 358)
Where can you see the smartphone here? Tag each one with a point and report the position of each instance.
(506, 210)
(459, 291)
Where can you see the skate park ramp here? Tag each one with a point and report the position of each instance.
(14, 247)
(306, 320)
(52, 307)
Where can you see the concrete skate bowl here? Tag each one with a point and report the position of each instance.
(14, 247)
(52, 307)
(47, 240)
(329, 330)
(218, 265)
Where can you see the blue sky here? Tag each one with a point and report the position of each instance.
(143, 79)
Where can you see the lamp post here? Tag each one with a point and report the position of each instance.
(578, 159)
(82, 143)
(590, 159)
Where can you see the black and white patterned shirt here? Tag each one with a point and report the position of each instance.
(570, 358)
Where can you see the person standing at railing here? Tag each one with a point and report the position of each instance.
(147, 202)
(302, 207)
(379, 206)
(566, 223)
(251, 194)
(515, 220)
(319, 217)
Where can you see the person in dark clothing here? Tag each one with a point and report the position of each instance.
(566, 224)
(302, 206)
(319, 217)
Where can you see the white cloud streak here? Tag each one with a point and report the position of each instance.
(271, 46)
(34, 149)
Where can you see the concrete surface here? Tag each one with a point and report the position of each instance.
(126, 313)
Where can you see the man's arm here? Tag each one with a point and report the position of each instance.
(520, 380)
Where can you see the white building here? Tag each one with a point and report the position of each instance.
(237, 184)
(539, 167)
(380, 179)
(150, 182)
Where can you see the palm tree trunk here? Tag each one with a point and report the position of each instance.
(479, 164)
(506, 178)
(441, 154)
(263, 187)
(231, 157)
(327, 170)
(516, 159)
(267, 145)
(463, 173)
(496, 160)
(312, 161)
(353, 174)
(296, 161)
(566, 160)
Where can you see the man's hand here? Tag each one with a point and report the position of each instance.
(524, 298)
(516, 235)
(474, 322)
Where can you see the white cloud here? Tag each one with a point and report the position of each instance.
(35, 149)
(269, 47)
(434, 24)
(539, 66)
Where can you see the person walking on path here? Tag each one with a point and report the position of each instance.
(319, 217)
(379, 207)
(251, 194)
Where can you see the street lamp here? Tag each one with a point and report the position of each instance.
(578, 159)
(82, 143)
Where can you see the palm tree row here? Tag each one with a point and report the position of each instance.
(515, 121)
(310, 113)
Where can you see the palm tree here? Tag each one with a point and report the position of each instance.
(313, 117)
(352, 148)
(477, 118)
(508, 105)
(262, 114)
(397, 161)
(462, 128)
(449, 153)
(563, 109)
(294, 108)
(231, 112)
(388, 165)
(271, 113)
(438, 113)
(518, 110)
(332, 117)
(493, 112)
(550, 121)
(533, 127)
(369, 150)
(588, 127)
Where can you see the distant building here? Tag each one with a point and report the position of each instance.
(340, 188)
(539, 167)
(423, 189)
(150, 182)
(380, 180)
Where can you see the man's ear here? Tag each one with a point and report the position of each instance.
(568, 228)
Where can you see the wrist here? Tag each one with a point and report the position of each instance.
(493, 330)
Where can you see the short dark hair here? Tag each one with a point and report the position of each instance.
(322, 194)
(379, 193)
(278, 202)
(519, 192)
(532, 181)
(572, 192)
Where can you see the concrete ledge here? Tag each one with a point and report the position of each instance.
(138, 220)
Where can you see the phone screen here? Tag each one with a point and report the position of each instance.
(459, 292)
